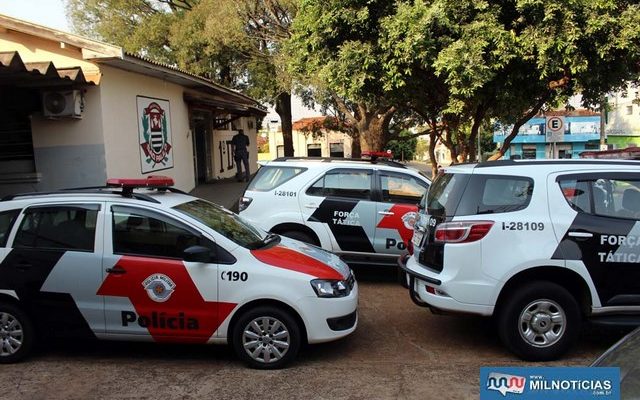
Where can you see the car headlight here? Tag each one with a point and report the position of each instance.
(330, 288)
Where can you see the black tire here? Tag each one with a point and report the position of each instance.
(265, 346)
(15, 326)
(402, 277)
(537, 337)
(301, 236)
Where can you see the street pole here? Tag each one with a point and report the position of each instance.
(603, 113)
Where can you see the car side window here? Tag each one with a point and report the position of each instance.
(58, 227)
(578, 194)
(401, 188)
(144, 233)
(7, 218)
(350, 183)
(618, 198)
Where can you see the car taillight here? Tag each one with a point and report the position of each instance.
(462, 231)
(243, 203)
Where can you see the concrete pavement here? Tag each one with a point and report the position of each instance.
(225, 192)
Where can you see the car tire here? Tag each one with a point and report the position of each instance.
(266, 338)
(301, 236)
(16, 334)
(539, 321)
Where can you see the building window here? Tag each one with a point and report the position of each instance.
(629, 110)
(529, 152)
(336, 150)
(250, 123)
(314, 150)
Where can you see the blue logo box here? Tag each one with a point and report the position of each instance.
(549, 383)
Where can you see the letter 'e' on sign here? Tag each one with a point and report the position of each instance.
(555, 128)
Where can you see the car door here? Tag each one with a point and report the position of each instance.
(54, 266)
(600, 228)
(149, 290)
(397, 208)
(341, 200)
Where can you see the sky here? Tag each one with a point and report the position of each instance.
(49, 13)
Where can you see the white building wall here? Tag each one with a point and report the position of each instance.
(70, 152)
(120, 125)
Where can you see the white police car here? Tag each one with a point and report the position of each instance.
(362, 210)
(156, 264)
(540, 245)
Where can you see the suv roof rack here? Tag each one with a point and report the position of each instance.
(160, 183)
(388, 162)
(577, 161)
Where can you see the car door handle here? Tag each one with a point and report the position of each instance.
(117, 270)
(581, 235)
(311, 205)
(385, 213)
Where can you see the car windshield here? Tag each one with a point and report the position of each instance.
(228, 224)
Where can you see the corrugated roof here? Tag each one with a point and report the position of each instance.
(13, 69)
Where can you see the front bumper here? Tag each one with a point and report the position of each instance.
(329, 319)
(427, 290)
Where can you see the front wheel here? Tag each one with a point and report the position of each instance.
(266, 338)
(539, 321)
(16, 334)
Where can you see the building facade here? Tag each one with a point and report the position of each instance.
(623, 119)
(74, 112)
(311, 139)
(579, 131)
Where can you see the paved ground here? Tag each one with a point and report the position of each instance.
(399, 351)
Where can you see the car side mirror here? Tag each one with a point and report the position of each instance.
(197, 254)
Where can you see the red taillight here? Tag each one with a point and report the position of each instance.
(462, 231)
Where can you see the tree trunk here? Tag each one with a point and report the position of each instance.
(432, 153)
(283, 108)
(356, 152)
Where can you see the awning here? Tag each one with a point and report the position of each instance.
(14, 72)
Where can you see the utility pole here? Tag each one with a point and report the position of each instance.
(603, 118)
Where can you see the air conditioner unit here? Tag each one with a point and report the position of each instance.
(61, 104)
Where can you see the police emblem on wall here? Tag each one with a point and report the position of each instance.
(159, 287)
(154, 132)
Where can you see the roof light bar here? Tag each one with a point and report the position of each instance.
(153, 181)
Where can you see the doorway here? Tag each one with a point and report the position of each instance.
(201, 122)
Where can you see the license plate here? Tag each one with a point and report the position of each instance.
(417, 238)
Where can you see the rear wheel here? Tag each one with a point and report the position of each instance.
(539, 321)
(16, 334)
(301, 236)
(266, 338)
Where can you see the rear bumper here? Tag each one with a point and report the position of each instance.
(427, 290)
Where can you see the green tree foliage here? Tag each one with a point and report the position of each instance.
(335, 49)
(507, 59)
(461, 63)
(234, 42)
(403, 149)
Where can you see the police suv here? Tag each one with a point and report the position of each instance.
(539, 245)
(139, 260)
(362, 210)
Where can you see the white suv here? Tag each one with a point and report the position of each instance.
(540, 245)
(362, 210)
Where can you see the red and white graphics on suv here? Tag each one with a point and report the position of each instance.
(363, 211)
(158, 265)
(538, 244)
